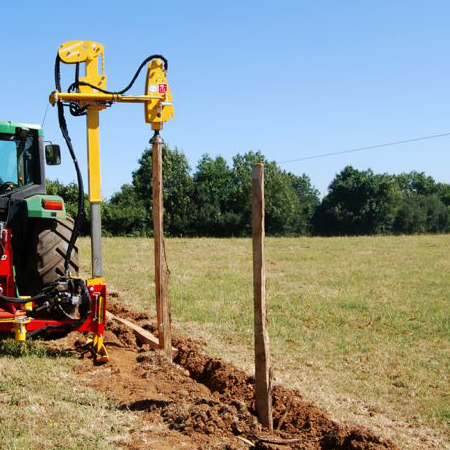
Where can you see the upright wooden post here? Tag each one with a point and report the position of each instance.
(263, 382)
(162, 300)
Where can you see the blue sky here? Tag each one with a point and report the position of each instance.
(289, 78)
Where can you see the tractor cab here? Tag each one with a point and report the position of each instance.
(25, 209)
(22, 168)
(18, 161)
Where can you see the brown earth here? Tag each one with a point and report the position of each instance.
(204, 403)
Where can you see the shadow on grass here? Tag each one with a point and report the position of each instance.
(9, 347)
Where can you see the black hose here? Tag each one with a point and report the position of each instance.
(21, 301)
(63, 126)
(77, 83)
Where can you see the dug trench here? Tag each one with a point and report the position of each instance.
(204, 403)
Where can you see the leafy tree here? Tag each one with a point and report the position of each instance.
(443, 191)
(411, 216)
(125, 214)
(213, 196)
(179, 209)
(358, 202)
(285, 197)
(438, 215)
(416, 182)
(424, 206)
(308, 198)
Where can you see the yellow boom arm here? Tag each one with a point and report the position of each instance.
(157, 98)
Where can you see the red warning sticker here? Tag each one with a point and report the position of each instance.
(163, 88)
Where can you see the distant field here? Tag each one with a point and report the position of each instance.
(360, 325)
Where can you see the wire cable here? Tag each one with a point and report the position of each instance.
(45, 114)
(360, 149)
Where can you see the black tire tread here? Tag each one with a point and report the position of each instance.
(51, 243)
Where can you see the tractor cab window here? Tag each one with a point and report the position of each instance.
(17, 162)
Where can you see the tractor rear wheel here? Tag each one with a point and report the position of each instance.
(47, 250)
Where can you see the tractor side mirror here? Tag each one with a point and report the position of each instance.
(52, 155)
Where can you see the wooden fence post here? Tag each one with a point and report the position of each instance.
(263, 382)
(161, 271)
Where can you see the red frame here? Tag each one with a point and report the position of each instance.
(95, 322)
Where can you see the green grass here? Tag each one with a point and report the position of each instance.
(43, 406)
(358, 324)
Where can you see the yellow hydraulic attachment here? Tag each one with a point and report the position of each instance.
(157, 99)
(88, 95)
(157, 111)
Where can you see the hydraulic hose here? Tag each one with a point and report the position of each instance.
(65, 132)
(77, 83)
(21, 301)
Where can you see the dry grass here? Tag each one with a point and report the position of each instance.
(43, 405)
(359, 325)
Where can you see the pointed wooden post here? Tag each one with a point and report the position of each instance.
(161, 272)
(263, 382)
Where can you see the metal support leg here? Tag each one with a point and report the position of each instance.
(96, 241)
(95, 197)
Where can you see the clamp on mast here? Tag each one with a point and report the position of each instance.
(92, 97)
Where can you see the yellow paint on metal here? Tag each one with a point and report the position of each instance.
(158, 111)
(73, 52)
(20, 332)
(27, 306)
(88, 52)
(158, 98)
(101, 309)
(20, 329)
(94, 281)
(91, 53)
(93, 153)
(100, 353)
(101, 97)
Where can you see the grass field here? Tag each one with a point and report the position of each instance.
(44, 406)
(360, 325)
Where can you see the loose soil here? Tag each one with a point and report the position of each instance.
(204, 403)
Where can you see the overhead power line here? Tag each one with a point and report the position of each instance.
(361, 149)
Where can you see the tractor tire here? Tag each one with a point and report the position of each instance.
(47, 250)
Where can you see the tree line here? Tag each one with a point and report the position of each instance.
(215, 200)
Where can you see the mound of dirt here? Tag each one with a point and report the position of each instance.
(206, 403)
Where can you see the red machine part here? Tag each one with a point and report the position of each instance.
(7, 285)
(95, 321)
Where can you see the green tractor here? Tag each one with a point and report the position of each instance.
(41, 230)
